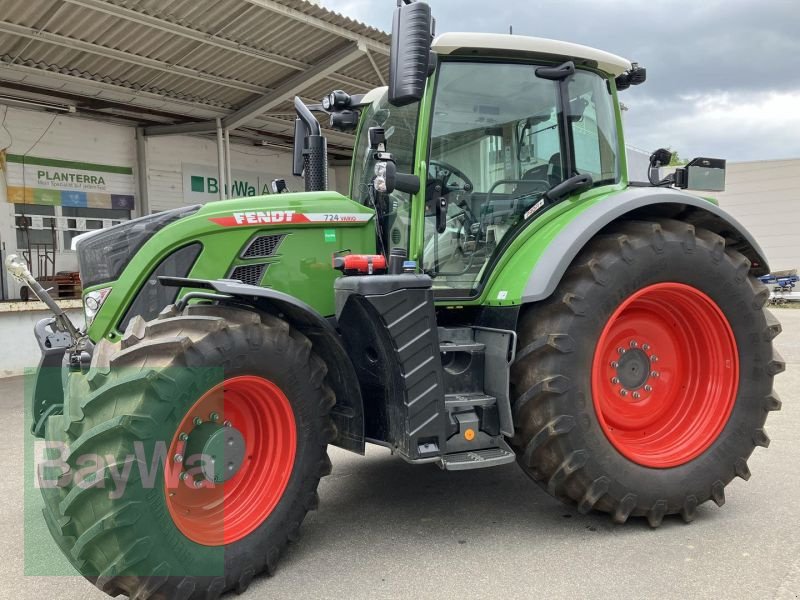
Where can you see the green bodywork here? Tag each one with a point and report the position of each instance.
(301, 266)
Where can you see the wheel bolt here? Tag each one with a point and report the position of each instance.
(614, 364)
(621, 350)
(653, 373)
(198, 483)
(614, 380)
(648, 388)
(214, 417)
(183, 437)
(633, 344)
(228, 424)
(623, 392)
(636, 395)
(645, 347)
(184, 476)
(654, 358)
(178, 458)
(198, 421)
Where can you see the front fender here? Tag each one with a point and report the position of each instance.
(348, 413)
(572, 233)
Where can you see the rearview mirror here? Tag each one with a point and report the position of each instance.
(411, 60)
(702, 174)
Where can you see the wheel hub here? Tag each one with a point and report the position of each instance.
(633, 369)
(218, 450)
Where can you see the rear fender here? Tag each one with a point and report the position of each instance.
(348, 413)
(636, 203)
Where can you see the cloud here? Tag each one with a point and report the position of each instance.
(722, 75)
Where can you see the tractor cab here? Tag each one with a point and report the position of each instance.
(500, 129)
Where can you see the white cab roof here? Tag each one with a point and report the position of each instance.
(449, 43)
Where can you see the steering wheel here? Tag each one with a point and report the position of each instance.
(451, 170)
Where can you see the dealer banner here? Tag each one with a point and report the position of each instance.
(36, 180)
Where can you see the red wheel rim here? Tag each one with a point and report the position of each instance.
(665, 375)
(220, 514)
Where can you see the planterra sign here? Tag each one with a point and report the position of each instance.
(55, 182)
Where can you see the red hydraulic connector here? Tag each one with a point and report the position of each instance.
(360, 264)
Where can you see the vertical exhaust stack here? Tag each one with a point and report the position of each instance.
(310, 149)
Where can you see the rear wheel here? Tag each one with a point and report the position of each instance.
(223, 416)
(643, 384)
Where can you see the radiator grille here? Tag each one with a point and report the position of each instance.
(263, 246)
(249, 274)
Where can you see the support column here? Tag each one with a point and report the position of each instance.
(221, 160)
(228, 175)
(143, 200)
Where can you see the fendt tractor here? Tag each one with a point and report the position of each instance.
(494, 289)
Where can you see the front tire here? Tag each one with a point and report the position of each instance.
(603, 424)
(179, 382)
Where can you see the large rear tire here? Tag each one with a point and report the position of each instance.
(210, 372)
(641, 386)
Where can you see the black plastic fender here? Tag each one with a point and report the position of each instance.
(348, 413)
(636, 203)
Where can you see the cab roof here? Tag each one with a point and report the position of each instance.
(494, 43)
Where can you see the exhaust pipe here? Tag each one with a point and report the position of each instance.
(310, 149)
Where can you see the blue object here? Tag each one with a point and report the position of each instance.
(409, 266)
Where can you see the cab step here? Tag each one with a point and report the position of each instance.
(478, 459)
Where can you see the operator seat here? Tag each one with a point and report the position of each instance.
(551, 173)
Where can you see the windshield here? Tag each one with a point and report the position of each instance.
(499, 141)
(400, 125)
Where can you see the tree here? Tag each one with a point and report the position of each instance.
(676, 160)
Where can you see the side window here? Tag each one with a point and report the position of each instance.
(594, 132)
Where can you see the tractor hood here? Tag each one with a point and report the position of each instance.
(285, 242)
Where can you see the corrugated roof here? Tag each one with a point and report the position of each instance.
(191, 58)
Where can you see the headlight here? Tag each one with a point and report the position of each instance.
(92, 302)
(102, 256)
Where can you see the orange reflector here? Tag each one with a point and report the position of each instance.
(469, 435)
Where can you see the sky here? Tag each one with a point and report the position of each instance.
(723, 77)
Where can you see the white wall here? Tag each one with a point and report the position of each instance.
(57, 136)
(765, 197)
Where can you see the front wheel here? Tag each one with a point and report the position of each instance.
(643, 384)
(192, 452)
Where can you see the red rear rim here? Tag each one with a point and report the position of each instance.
(222, 513)
(665, 375)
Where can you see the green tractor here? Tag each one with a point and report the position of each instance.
(494, 289)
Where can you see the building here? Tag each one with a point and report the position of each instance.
(765, 197)
(113, 110)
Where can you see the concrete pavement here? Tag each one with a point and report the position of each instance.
(386, 529)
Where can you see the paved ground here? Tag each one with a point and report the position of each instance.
(390, 530)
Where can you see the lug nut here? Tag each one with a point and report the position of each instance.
(198, 483)
(654, 358)
(621, 350)
(614, 380)
(184, 476)
(623, 392)
(633, 344)
(653, 373)
(214, 417)
(183, 437)
(648, 388)
(178, 458)
(636, 395)
(198, 421)
(614, 364)
(645, 347)
(228, 424)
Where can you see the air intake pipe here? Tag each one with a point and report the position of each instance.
(310, 149)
